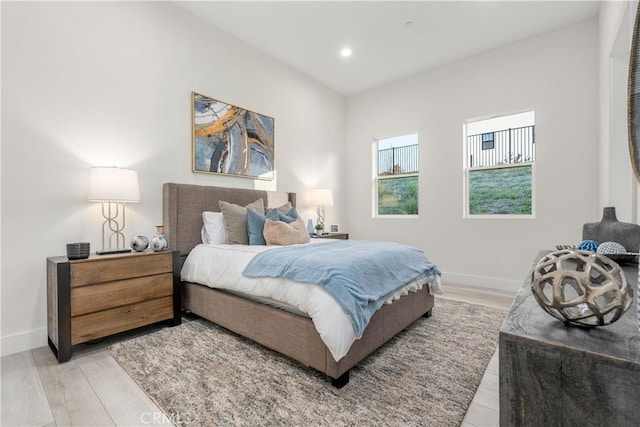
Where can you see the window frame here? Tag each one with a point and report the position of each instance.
(376, 178)
(466, 169)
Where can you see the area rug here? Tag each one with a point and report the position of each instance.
(203, 375)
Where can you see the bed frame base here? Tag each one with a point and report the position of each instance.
(341, 381)
(295, 336)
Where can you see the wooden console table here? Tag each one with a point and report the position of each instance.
(553, 375)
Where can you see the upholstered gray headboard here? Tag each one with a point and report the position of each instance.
(183, 204)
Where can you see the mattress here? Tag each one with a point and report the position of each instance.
(221, 266)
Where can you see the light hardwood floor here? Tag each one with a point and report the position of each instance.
(484, 410)
(92, 389)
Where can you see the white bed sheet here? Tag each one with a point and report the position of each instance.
(221, 266)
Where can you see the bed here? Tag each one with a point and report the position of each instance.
(285, 331)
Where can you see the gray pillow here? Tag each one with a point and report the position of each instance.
(235, 220)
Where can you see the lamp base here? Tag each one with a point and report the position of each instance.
(114, 251)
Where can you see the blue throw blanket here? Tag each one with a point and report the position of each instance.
(359, 274)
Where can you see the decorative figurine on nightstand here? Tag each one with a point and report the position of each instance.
(139, 243)
(78, 250)
(159, 240)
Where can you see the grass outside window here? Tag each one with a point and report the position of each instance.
(398, 196)
(501, 191)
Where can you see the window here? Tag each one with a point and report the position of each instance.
(487, 141)
(499, 165)
(396, 180)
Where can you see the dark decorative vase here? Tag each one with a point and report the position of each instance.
(609, 229)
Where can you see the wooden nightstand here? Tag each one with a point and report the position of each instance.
(106, 294)
(341, 236)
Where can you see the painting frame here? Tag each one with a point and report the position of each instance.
(230, 140)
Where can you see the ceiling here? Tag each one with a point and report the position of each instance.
(389, 39)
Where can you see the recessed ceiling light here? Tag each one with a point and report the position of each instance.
(345, 52)
(408, 24)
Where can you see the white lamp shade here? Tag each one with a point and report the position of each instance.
(113, 184)
(322, 197)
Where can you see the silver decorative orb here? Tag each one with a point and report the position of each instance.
(139, 243)
(581, 288)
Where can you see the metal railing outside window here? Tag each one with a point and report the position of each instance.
(501, 147)
(398, 160)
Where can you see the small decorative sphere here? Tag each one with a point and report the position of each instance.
(588, 245)
(611, 248)
(139, 243)
(581, 288)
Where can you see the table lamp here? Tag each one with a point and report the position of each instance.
(321, 197)
(113, 187)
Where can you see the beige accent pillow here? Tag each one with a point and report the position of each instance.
(235, 220)
(283, 234)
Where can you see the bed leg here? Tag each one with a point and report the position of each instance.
(341, 381)
(428, 314)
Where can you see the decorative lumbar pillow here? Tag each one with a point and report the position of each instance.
(235, 220)
(281, 233)
(255, 225)
(213, 230)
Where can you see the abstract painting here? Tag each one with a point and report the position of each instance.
(231, 140)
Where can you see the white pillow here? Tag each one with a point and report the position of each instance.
(213, 230)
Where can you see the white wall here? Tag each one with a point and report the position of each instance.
(555, 74)
(87, 84)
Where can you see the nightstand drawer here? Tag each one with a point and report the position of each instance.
(101, 270)
(108, 322)
(88, 299)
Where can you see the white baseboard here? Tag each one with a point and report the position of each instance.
(483, 282)
(23, 341)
